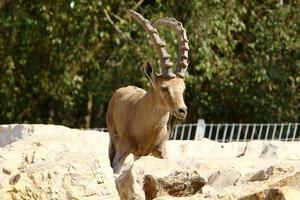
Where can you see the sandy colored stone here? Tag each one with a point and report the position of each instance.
(54, 162)
(223, 178)
(150, 177)
(178, 184)
(284, 193)
(291, 181)
(42, 162)
(240, 169)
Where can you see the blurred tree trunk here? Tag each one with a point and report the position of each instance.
(89, 108)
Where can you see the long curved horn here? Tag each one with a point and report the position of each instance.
(183, 49)
(158, 43)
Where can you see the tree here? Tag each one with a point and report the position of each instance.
(60, 61)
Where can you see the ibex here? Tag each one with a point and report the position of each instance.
(137, 120)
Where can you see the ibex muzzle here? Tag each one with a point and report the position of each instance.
(138, 121)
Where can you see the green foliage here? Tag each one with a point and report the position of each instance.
(60, 61)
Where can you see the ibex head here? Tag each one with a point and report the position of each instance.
(167, 92)
(168, 87)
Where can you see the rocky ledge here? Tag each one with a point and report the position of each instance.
(55, 162)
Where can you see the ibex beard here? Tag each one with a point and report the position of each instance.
(137, 120)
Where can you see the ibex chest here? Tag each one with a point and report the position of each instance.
(146, 142)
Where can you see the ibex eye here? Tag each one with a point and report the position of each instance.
(164, 89)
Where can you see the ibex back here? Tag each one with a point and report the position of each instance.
(137, 120)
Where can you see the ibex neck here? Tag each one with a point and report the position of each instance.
(154, 114)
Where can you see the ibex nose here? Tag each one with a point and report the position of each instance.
(181, 112)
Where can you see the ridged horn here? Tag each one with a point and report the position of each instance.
(183, 49)
(159, 44)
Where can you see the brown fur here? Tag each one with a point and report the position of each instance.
(137, 120)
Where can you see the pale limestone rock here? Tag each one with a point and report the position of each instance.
(177, 184)
(207, 149)
(284, 193)
(152, 177)
(223, 178)
(195, 197)
(242, 169)
(208, 192)
(54, 162)
(266, 182)
(234, 170)
(44, 162)
(263, 175)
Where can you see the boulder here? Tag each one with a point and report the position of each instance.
(223, 178)
(150, 178)
(54, 162)
(286, 193)
(241, 170)
(275, 182)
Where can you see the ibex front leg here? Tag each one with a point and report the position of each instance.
(160, 151)
(119, 159)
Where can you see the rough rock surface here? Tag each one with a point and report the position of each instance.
(43, 162)
(240, 170)
(151, 177)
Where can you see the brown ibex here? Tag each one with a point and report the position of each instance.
(137, 120)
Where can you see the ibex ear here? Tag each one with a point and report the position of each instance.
(151, 75)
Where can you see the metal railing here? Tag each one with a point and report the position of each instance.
(239, 132)
(225, 132)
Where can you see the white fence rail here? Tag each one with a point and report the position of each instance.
(237, 132)
(225, 132)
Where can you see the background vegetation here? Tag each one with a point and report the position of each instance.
(61, 60)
